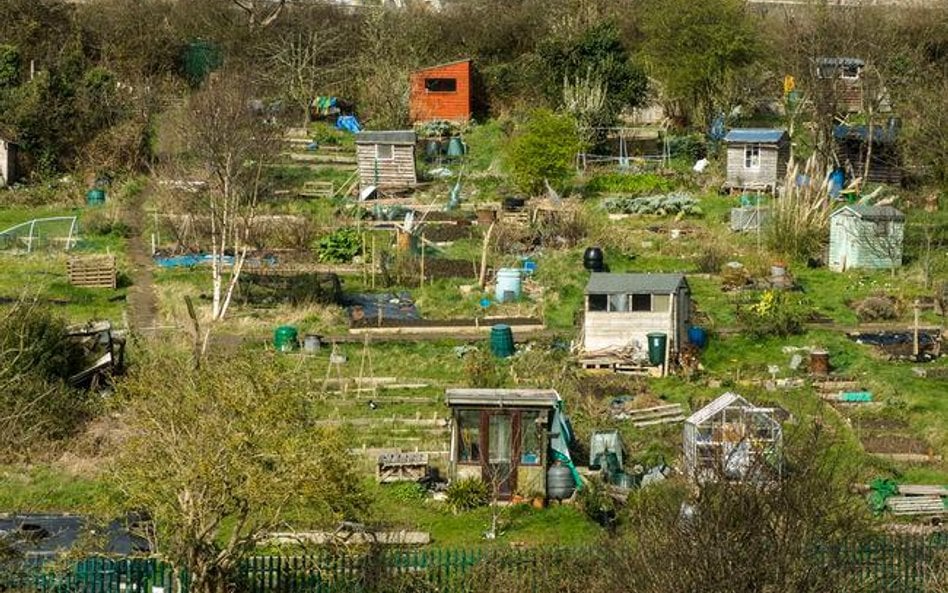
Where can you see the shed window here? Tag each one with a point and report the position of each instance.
(529, 438)
(752, 156)
(619, 302)
(642, 302)
(660, 302)
(384, 152)
(441, 85)
(598, 302)
(882, 228)
(849, 72)
(469, 436)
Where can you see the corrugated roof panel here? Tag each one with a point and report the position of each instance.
(722, 402)
(759, 135)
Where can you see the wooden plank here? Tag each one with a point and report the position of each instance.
(671, 420)
(916, 505)
(922, 490)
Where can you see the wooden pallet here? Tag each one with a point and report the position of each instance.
(599, 364)
(664, 414)
(401, 467)
(916, 505)
(638, 370)
(317, 189)
(97, 271)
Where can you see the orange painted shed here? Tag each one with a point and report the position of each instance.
(441, 92)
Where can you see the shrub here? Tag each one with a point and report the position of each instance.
(339, 246)
(774, 313)
(544, 148)
(876, 308)
(467, 494)
(629, 184)
(407, 492)
(482, 370)
(658, 205)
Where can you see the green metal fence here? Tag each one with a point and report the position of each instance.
(889, 565)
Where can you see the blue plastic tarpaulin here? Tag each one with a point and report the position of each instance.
(348, 123)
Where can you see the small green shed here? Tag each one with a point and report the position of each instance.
(866, 237)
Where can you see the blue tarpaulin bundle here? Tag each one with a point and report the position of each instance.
(348, 123)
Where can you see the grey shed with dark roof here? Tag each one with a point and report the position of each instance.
(622, 309)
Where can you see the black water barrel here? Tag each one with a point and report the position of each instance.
(593, 259)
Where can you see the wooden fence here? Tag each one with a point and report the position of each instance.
(888, 565)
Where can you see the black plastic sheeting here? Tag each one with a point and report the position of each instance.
(925, 338)
(40, 536)
(392, 306)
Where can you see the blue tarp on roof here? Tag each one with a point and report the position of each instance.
(761, 135)
(881, 134)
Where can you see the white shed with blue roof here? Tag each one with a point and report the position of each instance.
(756, 158)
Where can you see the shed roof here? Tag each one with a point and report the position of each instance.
(722, 402)
(839, 61)
(436, 66)
(602, 283)
(870, 212)
(546, 398)
(759, 135)
(386, 137)
(880, 134)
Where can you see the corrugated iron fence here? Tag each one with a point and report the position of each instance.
(891, 565)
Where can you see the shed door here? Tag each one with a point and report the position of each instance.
(499, 468)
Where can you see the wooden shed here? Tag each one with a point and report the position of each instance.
(386, 160)
(840, 81)
(852, 143)
(867, 237)
(8, 172)
(441, 93)
(756, 158)
(621, 309)
(502, 435)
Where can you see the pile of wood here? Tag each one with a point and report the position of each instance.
(919, 500)
(663, 414)
(92, 271)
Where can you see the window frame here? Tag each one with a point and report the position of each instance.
(479, 424)
(637, 309)
(391, 150)
(441, 79)
(752, 156)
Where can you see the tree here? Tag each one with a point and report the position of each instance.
(544, 149)
(595, 57)
(222, 455)
(302, 64)
(260, 13)
(694, 47)
(222, 134)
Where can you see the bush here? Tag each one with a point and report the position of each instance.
(339, 246)
(544, 148)
(467, 494)
(629, 184)
(876, 308)
(483, 371)
(36, 359)
(407, 492)
(775, 313)
(597, 505)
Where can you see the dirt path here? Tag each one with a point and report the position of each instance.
(142, 299)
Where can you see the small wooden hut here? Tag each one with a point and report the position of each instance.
(840, 83)
(8, 172)
(622, 309)
(852, 144)
(386, 159)
(502, 436)
(441, 93)
(756, 158)
(868, 237)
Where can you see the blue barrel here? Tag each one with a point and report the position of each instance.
(501, 341)
(698, 336)
(508, 285)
